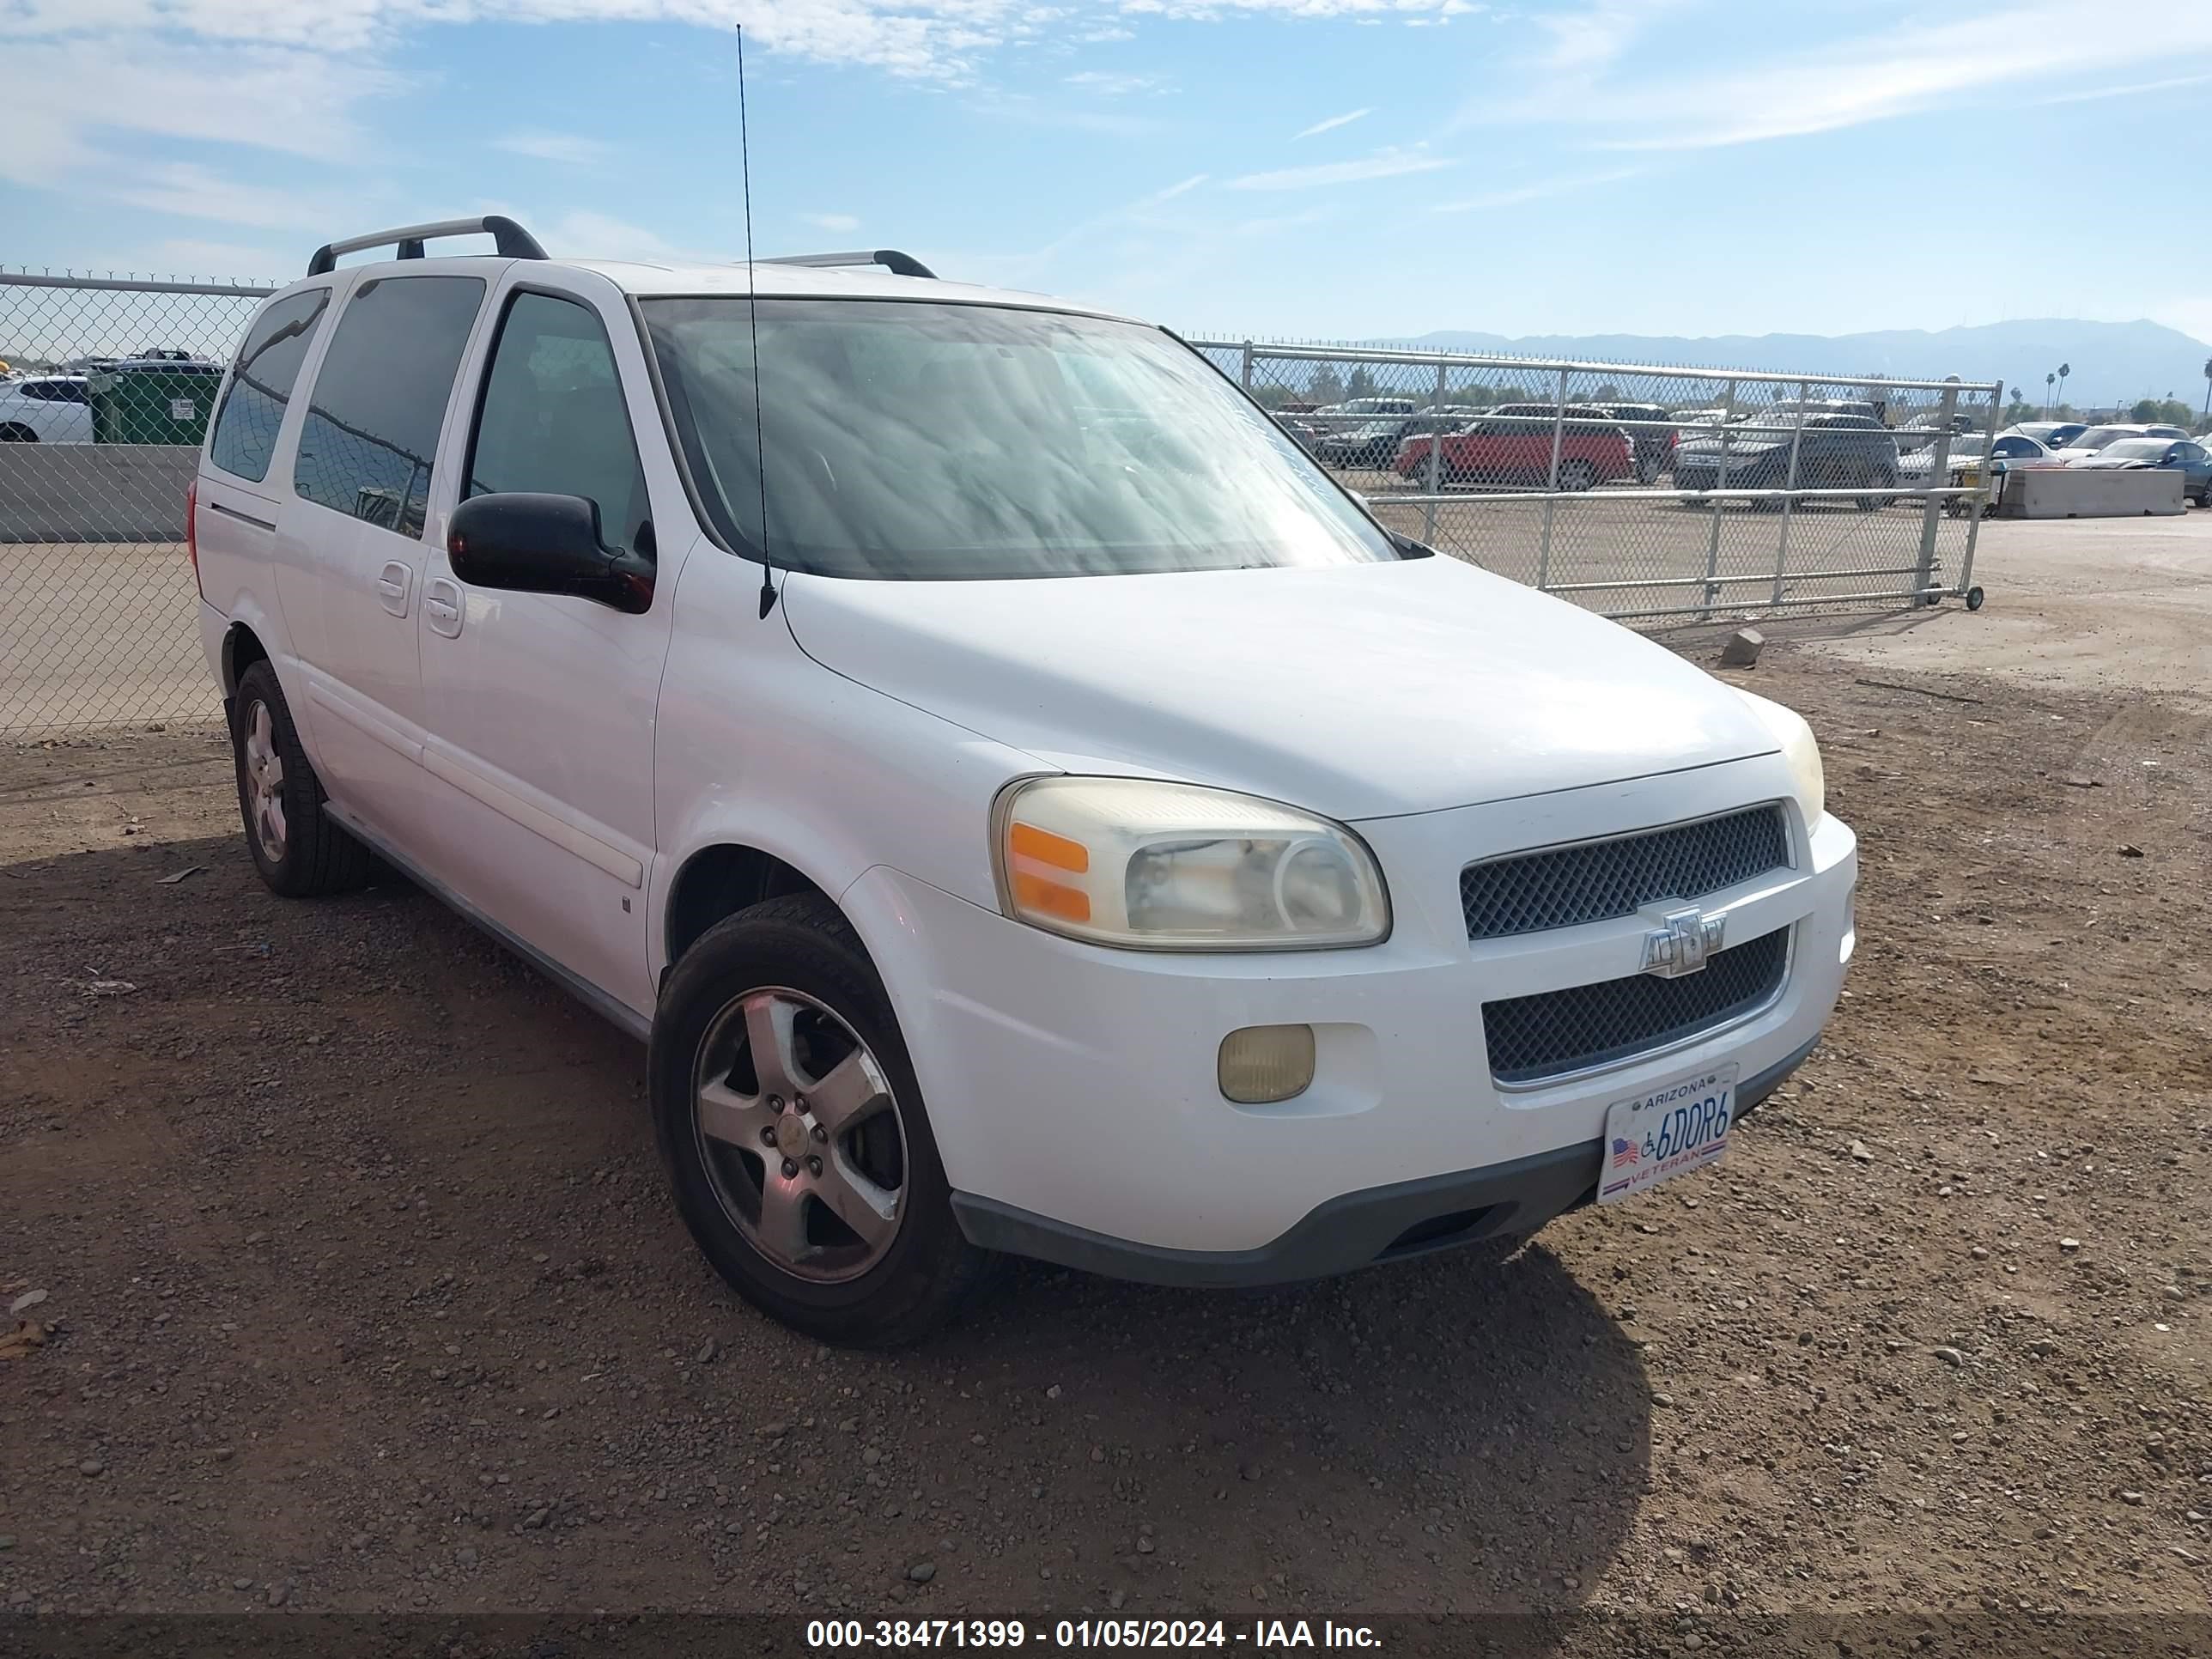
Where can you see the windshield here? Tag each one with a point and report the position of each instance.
(2097, 437)
(2139, 449)
(928, 441)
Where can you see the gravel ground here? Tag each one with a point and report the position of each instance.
(361, 1291)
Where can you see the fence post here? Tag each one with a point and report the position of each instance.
(1789, 500)
(1931, 510)
(1552, 485)
(1720, 481)
(1244, 375)
(1988, 500)
(1436, 456)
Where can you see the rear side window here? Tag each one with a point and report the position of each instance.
(371, 434)
(261, 384)
(553, 419)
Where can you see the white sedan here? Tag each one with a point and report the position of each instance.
(46, 409)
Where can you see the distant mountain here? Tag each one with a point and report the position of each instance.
(2112, 362)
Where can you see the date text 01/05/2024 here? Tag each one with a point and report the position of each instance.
(1262, 1636)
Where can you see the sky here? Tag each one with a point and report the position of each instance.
(1312, 169)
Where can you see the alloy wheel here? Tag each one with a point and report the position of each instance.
(801, 1134)
(264, 781)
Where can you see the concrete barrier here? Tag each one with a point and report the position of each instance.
(95, 492)
(2102, 492)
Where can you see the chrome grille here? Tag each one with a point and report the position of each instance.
(1534, 1037)
(1598, 880)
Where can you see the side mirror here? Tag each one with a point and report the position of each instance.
(533, 544)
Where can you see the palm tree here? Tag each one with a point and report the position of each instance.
(2064, 369)
(2207, 388)
(2049, 380)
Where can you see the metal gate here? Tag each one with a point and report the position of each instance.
(1647, 492)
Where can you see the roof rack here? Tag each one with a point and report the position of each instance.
(511, 239)
(899, 264)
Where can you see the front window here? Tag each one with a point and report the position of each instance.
(2138, 449)
(928, 441)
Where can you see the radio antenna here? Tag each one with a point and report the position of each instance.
(752, 327)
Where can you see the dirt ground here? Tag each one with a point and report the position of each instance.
(362, 1292)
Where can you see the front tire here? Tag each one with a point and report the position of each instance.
(793, 1128)
(297, 848)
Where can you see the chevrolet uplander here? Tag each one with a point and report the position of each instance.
(1026, 805)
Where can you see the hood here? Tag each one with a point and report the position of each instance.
(1354, 690)
(1704, 447)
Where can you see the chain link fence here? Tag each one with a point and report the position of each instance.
(109, 387)
(1650, 494)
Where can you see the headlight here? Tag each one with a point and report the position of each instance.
(1169, 866)
(1808, 780)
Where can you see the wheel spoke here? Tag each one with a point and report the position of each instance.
(769, 1031)
(725, 1114)
(847, 1092)
(782, 1215)
(858, 1202)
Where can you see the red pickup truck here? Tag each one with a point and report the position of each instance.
(1512, 446)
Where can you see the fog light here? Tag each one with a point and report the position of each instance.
(1265, 1063)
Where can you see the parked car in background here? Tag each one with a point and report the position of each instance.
(1374, 443)
(1355, 406)
(2185, 455)
(2091, 440)
(2055, 435)
(1834, 452)
(46, 409)
(1651, 437)
(1966, 462)
(1304, 430)
(1439, 907)
(1511, 445)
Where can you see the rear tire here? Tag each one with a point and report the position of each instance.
(1577, 475)
(15, 433)
(299, 852)
(766, 1163)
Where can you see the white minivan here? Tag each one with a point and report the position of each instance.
(1028, 806)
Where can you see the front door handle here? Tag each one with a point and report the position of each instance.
(393, 583)
(441, 603)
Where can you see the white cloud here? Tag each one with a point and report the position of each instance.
(192, 191)
(1114, 86)
(1182, 189)
(580, 233)
(1332, 124)
(1911, 66)
(566, 148)
(837, 222)
(2169, 84)
(1536, 190)
(1383, 164)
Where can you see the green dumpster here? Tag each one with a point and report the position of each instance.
(152, 402)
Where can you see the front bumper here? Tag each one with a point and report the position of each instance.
(1351, 1230)
(1072, 1093)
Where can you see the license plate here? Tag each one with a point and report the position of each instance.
(1679, 1126)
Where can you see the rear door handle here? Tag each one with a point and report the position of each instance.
(441, 603)
(393, 584)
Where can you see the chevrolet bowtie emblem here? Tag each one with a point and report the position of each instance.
(1682, 943)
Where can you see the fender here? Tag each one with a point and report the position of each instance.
(845, 770)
